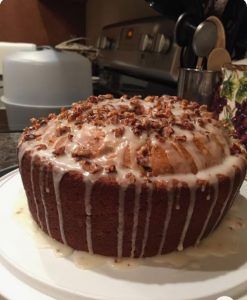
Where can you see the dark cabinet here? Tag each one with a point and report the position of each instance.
(44, 22)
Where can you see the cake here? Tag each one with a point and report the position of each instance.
(130, 177)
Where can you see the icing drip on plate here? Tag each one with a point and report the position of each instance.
(120, 231)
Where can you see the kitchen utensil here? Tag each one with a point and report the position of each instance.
(184, 30)
(217, 58)
(221, 36)
(204, 40)
(75, 45)
(198, 85)
(219, 55)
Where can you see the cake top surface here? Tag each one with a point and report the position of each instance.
(131, 138)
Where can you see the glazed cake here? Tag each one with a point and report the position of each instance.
(130, 177)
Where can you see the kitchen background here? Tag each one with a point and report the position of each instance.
(147, 65)
(133, 57)
(45, 22)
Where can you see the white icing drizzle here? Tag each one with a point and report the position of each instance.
(216, 192)
(188, 217)
(239, 184)
(42, 183)
(177, 198)
(21, 151)
(120, 231)
(33, 192)
(57, 176)
(88, 209)
(170, 194)
(147, 221)
(232, 178)
(203, 188)
(136, 217)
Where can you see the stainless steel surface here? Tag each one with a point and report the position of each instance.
(198, 85)
(204, 38)
(142, 47)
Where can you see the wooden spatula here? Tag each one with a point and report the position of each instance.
(219, 55)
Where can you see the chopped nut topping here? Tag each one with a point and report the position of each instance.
(51, 116)
(59, 150)
(185, 125)
(203, 108)
(235, 149)
(111, 169)
(62, 130)
(124, 97)
(135, 101)
(168, 131)
(93, 99)
(90, 166)
(41, 147)
(201, 122)
(184, 103)
(70, 137)
(143, 157)
(35, 123)
(82, 152)
(193, 105)
(131, 178)
(119, 132)
(150, 98)
(180, 138)
(30, 136)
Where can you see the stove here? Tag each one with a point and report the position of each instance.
(138, 57)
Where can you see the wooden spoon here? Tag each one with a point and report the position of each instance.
(217, 58)
(219, 55)
(221, 36)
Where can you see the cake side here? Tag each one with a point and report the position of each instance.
(108, 227)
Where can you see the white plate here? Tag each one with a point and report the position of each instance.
(58, 277)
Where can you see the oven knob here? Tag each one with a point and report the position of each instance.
(162, 44)
(105, 43)
(98, 42)
(146, 43)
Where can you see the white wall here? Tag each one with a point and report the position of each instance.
(103, 12)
